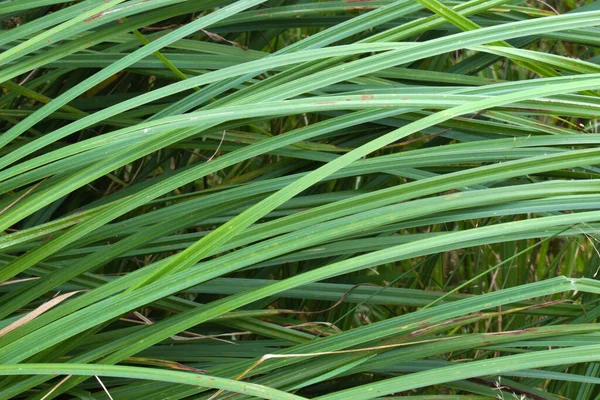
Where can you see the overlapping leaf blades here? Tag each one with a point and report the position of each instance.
(311, 147)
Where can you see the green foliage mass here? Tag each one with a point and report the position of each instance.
(290, 199)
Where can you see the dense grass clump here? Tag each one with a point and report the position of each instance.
(290, 199)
